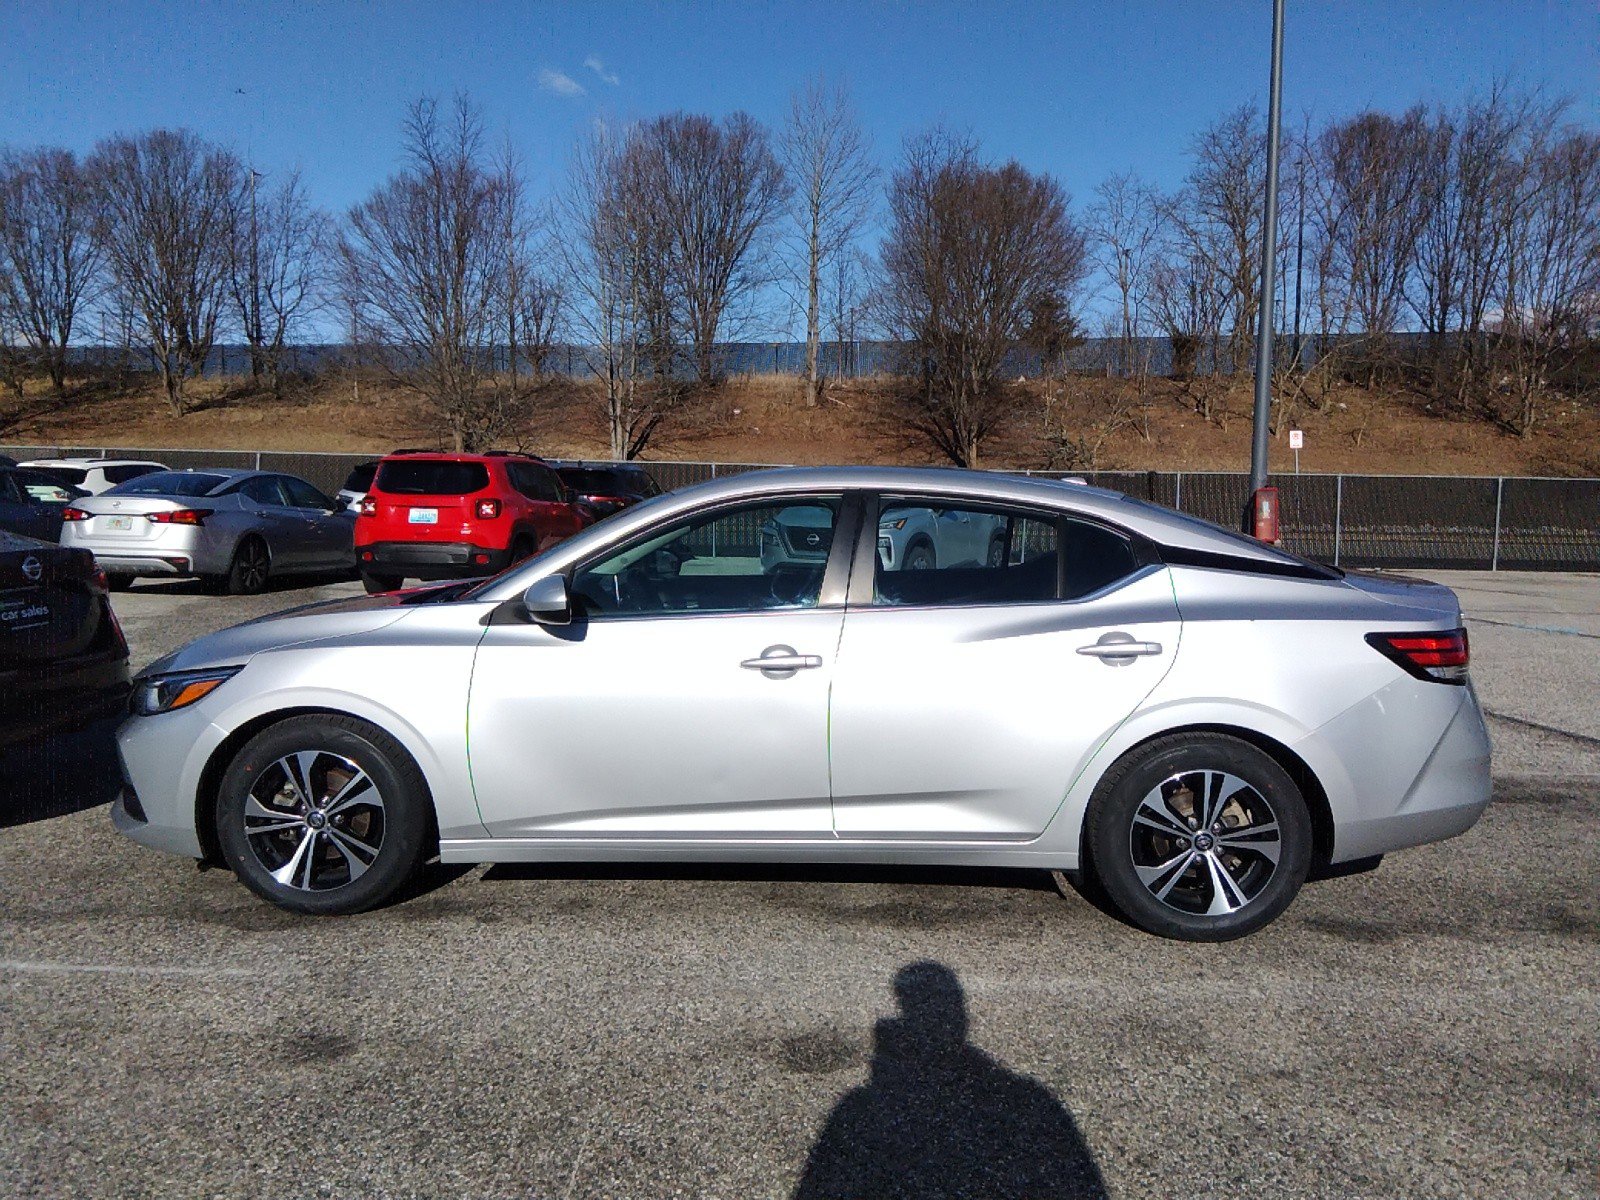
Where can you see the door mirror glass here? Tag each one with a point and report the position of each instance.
(547, 602)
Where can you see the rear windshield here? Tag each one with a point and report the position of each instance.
(597, 481)
(169, 483)
(67, 476)
(431, 477)
(360, 479)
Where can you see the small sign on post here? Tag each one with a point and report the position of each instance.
(1297, 438)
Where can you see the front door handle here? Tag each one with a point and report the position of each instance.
(780, 662)
(1119, 649)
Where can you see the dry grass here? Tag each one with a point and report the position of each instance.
(764, 419)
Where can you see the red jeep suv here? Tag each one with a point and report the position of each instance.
(455, 516)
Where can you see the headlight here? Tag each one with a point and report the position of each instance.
(164, 693)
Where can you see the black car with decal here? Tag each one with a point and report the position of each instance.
(63, 659)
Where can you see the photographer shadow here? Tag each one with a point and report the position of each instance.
(938, 1118)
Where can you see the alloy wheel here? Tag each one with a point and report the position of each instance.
(314, 820)
(1205, 842)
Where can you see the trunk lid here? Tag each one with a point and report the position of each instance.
(48, 602)
(1428, 600)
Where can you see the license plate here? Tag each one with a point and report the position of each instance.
(119, 522)
(424, 516)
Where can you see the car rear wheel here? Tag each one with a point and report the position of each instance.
(521, 548)
(119, 583)
(324, 815)
(380, 583)
(247, 575)
(1199, 837)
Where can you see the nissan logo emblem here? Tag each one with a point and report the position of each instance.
(32, 568)
(813, 539)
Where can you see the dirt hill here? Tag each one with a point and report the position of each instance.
(1069, 424)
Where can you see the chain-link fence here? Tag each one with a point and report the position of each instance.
(1438, 521)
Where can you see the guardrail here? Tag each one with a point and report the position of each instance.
(1488, 522)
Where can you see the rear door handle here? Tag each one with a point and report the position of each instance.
(779, 662)
(1119, 646)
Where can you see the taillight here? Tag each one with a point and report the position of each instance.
(98, 582)
(1439, 655)
(369, 506)
(180, 516)
(74, 514)
(488, 510)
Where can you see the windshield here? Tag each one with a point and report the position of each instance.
(431, 477)
(169, 483)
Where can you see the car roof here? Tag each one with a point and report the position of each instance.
(454, 456)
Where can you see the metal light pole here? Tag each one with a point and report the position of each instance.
(1269, 247)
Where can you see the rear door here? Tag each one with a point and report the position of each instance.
(270, 514)
(330, 527)
(967, 698)
(554, 517)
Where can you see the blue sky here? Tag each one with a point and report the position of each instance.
(1081, 90)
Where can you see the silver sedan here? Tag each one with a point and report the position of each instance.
(1195, 720)
(232, 528)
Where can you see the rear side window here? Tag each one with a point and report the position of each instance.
(930, 554)
(534, 481)
(1096, 557)
(303, 495)
(69, 476)
(170, 483)
(263, 489)
(10, 489)
(431, 477)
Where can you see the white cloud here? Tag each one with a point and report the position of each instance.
(599, 68)
(560, 83)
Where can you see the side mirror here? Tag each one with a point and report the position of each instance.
(547, 602)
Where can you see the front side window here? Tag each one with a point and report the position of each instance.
(933, 554)
(263, 489)
(753, 558)
(303, 495)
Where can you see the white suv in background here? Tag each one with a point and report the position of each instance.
(94, 475)
(911, 537)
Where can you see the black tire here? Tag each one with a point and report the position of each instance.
(521, 547)
(323, 880)
(920, 557)
(380, 583)
(248, 573)
(119, 583)
(1168, 782)
(997, 552)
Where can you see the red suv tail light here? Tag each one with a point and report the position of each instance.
(487, 510)
(181, 516)
(74, 514)
(1438, 655)
(369, 507)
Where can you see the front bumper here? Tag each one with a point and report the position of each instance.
(431, 560)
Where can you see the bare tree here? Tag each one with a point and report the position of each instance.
(1126, 228)
(1372, 172)
(277, 270)
(717, 189)
(49, 258)
(1552, 279)
(612, 253)
(829, 164)
(1219, 214)
(423, 264)
(971, 252)
(166, 203)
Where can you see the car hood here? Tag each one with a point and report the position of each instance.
(293, 627)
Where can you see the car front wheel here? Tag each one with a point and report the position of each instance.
(324, 815)
(1199, 837)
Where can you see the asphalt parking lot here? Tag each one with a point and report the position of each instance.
(1427, 1029)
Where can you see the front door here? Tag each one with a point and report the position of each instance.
(688, 699)
(967, 698)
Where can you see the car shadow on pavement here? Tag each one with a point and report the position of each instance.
(60, 774)
(206, 587)
(939, 1118)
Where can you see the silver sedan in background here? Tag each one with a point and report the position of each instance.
(1195, 719)
(234, 529)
